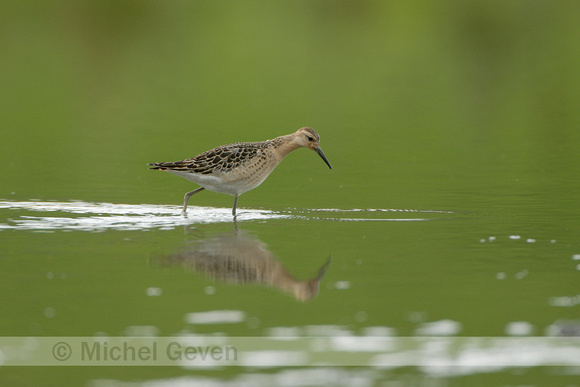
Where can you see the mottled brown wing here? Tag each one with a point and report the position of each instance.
(222, 158)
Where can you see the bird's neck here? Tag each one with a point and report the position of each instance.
(284, 145)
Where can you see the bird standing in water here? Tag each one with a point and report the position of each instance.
(237, 168)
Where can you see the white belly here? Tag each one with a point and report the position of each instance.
(235, 182)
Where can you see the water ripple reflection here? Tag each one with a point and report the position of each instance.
(103, 216)
(87, 216)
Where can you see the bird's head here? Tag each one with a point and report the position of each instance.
(308, 138)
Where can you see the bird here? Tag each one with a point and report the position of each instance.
(237, 168)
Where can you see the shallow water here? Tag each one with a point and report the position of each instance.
(447, 278)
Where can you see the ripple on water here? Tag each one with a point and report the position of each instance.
(95, 217)
(86, 216)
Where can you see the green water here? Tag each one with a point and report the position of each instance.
(452, 207)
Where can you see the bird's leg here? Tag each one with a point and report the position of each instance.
(186, 199)
(235, 204)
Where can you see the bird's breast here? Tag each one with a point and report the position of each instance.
(249, 175)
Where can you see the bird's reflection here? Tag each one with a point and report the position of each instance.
(240, 258)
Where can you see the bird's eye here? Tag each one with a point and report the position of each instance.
(310, 138)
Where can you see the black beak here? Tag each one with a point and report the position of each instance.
(321, 154)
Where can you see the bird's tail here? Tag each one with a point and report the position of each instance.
(157, 166)
(173, 166)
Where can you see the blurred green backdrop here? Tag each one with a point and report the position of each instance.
(401, 93)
